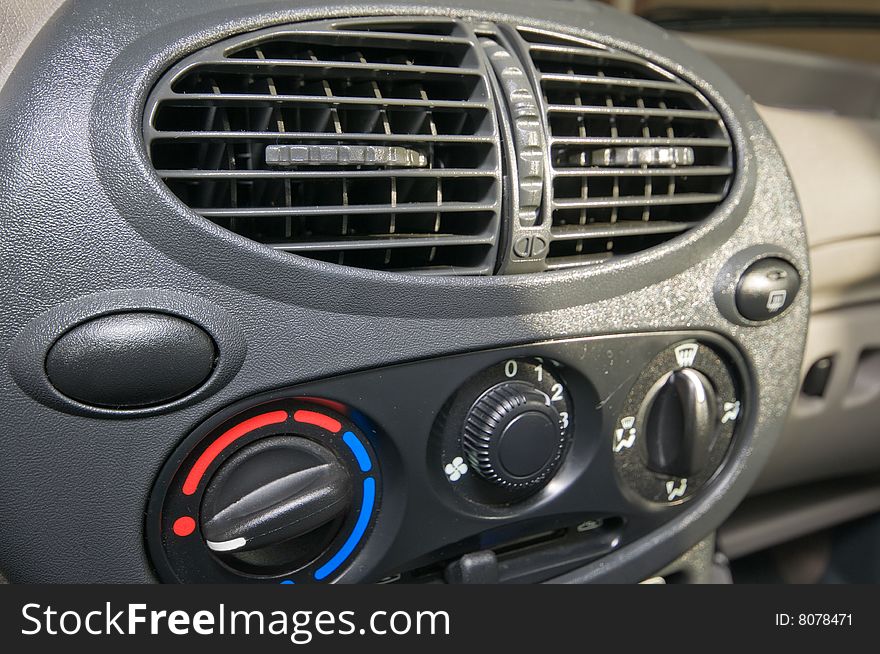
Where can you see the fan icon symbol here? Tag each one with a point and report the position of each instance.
(456, 469)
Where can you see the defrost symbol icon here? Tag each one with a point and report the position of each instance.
(686, 354)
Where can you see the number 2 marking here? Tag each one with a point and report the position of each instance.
(556, 389)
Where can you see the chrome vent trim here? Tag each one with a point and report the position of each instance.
(405, 172)
(604, 106)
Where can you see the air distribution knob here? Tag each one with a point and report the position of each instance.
(514, 436)
(275, 504)
(681, 423)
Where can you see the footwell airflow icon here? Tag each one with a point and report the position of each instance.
(674, 491)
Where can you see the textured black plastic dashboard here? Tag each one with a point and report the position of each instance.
(84, 217)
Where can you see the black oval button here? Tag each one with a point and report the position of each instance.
(131, 360)
(766, 289)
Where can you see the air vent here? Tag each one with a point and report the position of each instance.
(637, 155)
(377, 143)
(356, 142)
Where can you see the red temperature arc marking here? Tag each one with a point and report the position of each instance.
(213, 450)
(319, 420)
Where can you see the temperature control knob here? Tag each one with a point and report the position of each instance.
(278, 490)
(513, 435)
(276, 502)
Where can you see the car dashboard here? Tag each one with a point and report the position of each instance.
(391, 293)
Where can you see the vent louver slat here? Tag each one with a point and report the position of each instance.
(396, 159)
(637, 155)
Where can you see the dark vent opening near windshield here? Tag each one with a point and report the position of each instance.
(353, 94)
(601, 102)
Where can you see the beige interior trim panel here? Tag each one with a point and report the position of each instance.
(20, 20)
(837, 434)
(835, 164)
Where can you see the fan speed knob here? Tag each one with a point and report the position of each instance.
(513, 435)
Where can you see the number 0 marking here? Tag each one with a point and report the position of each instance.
(510, 368)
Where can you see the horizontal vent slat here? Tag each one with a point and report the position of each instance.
(376, 38)
(681, 171)
(389, 243)
(569, 232)
(318, 136)
(339, 210)
(447, 271)
(268, 99)
(324, 68)
(617, 82)
(640, 141)
(638, 112)
(561, 263)
(639, 201)
(590, 53)
(384, 173)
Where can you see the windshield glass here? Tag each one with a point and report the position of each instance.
(842, 28)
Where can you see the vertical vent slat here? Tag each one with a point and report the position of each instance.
(404, 167)
(603, 104)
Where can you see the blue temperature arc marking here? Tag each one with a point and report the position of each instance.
(360, 452)
(359, 528)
